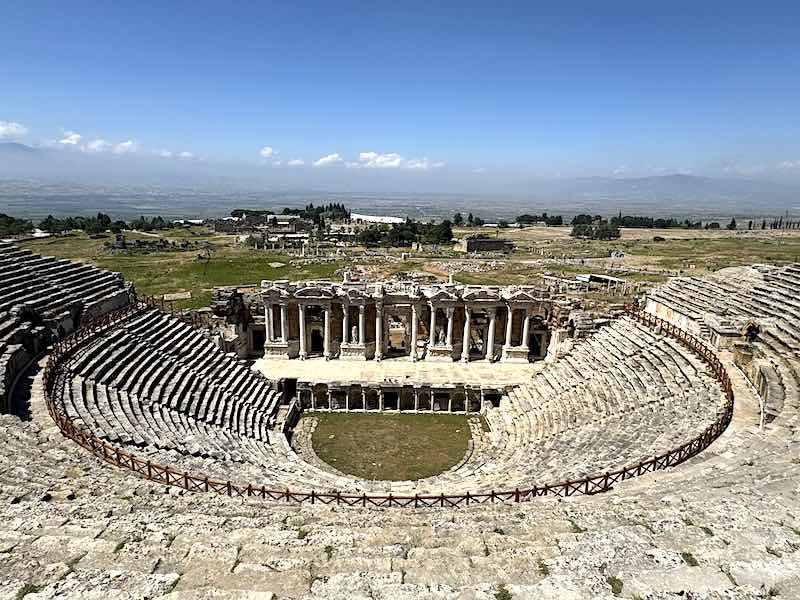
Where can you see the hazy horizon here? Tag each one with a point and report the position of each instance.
(416, 98)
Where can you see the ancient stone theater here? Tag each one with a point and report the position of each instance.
(149, 453)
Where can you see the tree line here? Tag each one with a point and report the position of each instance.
(100, 223)
(403, 235)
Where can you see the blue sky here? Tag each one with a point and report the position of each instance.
(485, 89)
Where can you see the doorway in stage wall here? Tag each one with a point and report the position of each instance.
(259, 336)
(539, 340)
(317, 342)
(479, 331)
(398, 336)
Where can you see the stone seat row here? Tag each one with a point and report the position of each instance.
(219, 391)
(43, 297)
(50, 285)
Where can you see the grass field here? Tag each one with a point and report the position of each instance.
(168, 272)
(391, 447)
(688, 251)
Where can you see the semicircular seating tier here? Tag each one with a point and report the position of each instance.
(41, 298)
(162, 388)
(721, 308)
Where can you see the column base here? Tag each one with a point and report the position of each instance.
(515, 354)
(351, 351)
(440, 354)
(279, 349)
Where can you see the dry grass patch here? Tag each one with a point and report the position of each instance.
(391, 447)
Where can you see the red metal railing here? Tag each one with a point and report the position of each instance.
(56, 374)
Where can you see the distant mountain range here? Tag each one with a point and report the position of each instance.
(10, 149)
(663, 195)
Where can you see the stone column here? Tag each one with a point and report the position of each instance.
(432, 328)
(526, 329)
(414, 319)
(326, 336)
(362, 324)
(378, 332)
(284, 323)
(466, 335)
(345, 323)
(416, 399)
(301, 310)
(509, 323)
(269, 313)
(450, 402)
(490, 336)
(450, 310)
(347, 399)
(380, 399)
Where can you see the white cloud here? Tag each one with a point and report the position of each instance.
(328, 160)
(126, 147)
(373, 160)
(277, 163)
(164, 153)
(98, 145)
(267, 152)
(745, 170)
(295, 162)
(621, 170)
(423, 164)
(789, 164)
(11, 130)
(186, 155)
(70, 138)
(392, 160)
(480, 170)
